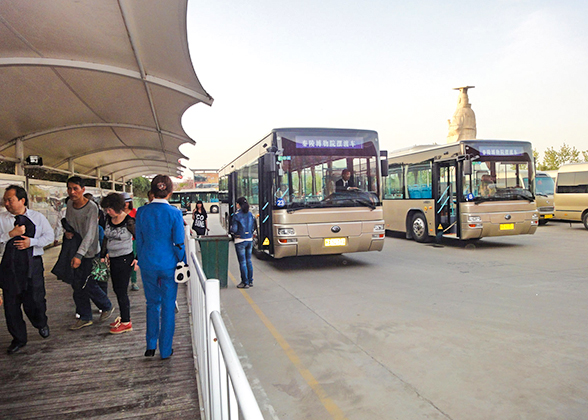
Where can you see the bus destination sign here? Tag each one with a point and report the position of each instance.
(315, 142)
(501, 151)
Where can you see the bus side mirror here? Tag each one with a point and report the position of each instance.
(384, 162)
(467, 166)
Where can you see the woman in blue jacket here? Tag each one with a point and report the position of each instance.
(160, 246)
(242, 226)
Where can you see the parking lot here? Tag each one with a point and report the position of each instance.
(420, 331)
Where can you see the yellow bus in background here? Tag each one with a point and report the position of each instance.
(571, 193)
(465, 190)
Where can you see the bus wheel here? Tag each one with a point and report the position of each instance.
(585, 219)
(214, 209)
(419, 228)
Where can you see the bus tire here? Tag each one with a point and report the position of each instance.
(542, 222)
(585, 219)
(419, 229)
(214, 209)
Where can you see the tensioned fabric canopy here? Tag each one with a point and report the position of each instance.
(100, 83)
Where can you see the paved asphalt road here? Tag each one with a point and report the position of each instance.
(419, 331)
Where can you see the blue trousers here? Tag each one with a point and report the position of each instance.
(161, 291)
(244, 256)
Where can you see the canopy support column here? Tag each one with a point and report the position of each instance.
(19, 154)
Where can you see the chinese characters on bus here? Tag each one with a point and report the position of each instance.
(308, 142)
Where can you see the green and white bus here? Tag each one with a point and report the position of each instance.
(290, 181)
(186, 199)
(466, 190)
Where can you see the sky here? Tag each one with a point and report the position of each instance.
(388, 66)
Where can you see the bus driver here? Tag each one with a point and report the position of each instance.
(346, 183)
(487, 186)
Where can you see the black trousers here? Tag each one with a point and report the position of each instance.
(120, 272)
(32, 301)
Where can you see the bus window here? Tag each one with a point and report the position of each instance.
(394, 187)
(305, 179)
(419, 180)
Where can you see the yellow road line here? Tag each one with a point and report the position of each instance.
(328, 403)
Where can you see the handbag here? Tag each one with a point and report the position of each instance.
(182, 274)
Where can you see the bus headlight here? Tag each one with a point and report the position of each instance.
(474, 219)
(535, 216)
(378, 228)
(286, 232)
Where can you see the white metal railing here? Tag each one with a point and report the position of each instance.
(223, 387)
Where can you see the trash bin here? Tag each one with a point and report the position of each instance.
(215, 257)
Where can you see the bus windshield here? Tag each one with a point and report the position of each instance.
(493, 180)
(544, 185)
(328, 171)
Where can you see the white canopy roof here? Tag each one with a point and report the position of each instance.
(101, 82)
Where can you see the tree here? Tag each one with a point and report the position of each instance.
(141, 186)
(555, 158)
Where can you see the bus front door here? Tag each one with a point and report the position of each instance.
(267, 173)
(446, 218)
(232, 199)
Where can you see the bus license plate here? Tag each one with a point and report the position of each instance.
(335, 242)
(506, 226)
(549, 216)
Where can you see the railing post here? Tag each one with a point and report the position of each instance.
(219, 369)
(212, 291)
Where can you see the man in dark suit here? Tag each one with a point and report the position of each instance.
(24, 233)
(346, 183)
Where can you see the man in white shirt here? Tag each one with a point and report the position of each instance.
(26, 292)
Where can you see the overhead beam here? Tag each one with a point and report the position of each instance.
(140, 173)
(108, 149)
(103, 167)
(96, 125)
(103, 68)
(145, 169)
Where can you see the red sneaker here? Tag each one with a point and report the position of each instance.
(122, 327)
(116, 322)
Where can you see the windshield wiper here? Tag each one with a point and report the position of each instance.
(478, 200)
(525, 197)
(305, 206)
(364, 203)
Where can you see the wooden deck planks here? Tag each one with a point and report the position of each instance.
(92, 374)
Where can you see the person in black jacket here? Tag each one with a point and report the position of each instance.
(24, 233)
(346, 183)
